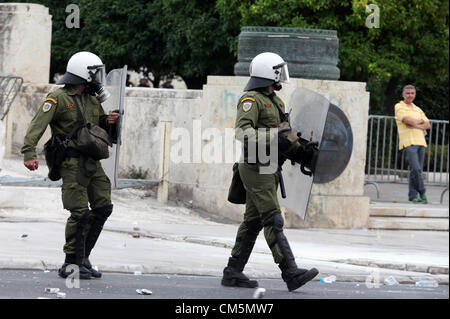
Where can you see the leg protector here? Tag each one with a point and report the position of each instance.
(80, 248)
(248, 242)
(232, 274)
(100, 215)
(293, 276)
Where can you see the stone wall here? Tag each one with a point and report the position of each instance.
(25, 39)
(338, 204)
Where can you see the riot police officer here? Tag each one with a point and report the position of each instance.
(84, 181)
(260, 108)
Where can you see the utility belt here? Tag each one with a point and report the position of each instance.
(71, 152)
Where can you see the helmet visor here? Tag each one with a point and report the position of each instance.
(98, 73)
(284, 74)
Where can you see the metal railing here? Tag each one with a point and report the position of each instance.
(386, 164)
(9, 88)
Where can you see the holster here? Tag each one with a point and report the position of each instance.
(237, 193)
(55, 152)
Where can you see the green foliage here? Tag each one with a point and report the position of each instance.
(196, 38)
(411, 45)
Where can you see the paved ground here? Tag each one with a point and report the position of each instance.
(32, 284)
(398, 193)
(178, 241)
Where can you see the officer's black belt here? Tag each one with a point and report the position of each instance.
(71, 152)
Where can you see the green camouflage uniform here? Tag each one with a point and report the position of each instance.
(59, 111)
(256, 110)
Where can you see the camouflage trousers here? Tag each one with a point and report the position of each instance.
(261, 207)
(77, 199)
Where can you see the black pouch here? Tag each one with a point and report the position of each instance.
(55, 153)
(237, 192)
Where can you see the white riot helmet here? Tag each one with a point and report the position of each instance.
(266, 69)
(87, 68)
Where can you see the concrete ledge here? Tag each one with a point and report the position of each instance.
(409, 212)
(410, 223)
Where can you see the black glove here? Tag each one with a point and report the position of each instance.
(307, 155)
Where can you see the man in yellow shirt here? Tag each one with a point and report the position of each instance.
(411, 123)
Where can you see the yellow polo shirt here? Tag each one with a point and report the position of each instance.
(409, 136)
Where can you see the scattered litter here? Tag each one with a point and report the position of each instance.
(259, 293)
(135, 235)
(390, 281)
(22, 236)
(135, 226)
(144, 291)
(427, 284)
(168, 277)
(394, 201)
(357, 285)
(46, 270)
(52, 290)
(61, 295)
(137, 273)
(328, 280)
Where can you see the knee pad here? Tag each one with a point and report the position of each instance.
(102, 213)
(278, 223)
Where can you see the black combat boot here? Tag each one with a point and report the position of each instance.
(232, 274)
(99, 217)
(234, 277)
(84, 273)
(87, 264)
(295, 277)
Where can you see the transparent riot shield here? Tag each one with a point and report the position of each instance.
(308, 115)
(115, 84)
(322, 122)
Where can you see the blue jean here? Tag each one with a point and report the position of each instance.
(415, 156)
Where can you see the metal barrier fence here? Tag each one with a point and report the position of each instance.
(9, 87)
(386, 164)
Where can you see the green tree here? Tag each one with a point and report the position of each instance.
(411, 45)
(162, 37)
(196, 43)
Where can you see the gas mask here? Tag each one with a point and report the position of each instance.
(277, 86)
(95, 86)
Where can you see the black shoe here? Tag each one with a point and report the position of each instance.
(294, 279)
(84, 273)
(95, 273)
(233, 278)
